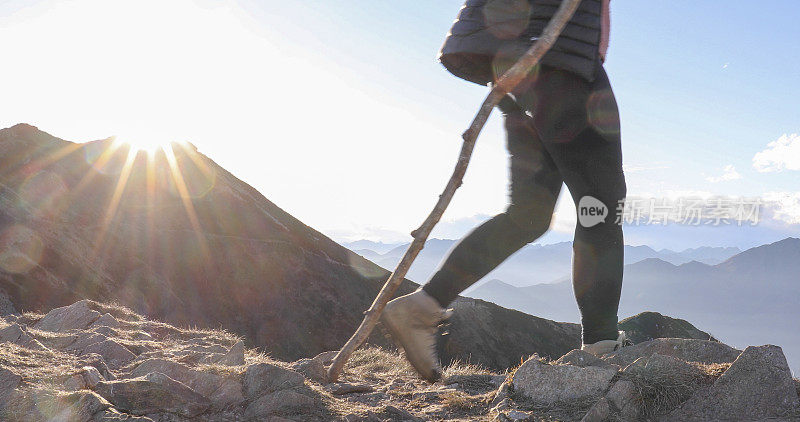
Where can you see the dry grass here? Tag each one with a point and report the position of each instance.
(38, 365)
(458, 401)
(376, 362)
(661, 390)
(461, 368)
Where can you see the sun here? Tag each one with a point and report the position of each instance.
(142, 141)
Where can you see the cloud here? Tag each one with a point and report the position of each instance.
(728, 173)
(783, 154)
(784, 206)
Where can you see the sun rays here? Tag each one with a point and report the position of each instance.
(121, 157)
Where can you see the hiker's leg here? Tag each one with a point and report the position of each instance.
(578, 122)
(535, 185)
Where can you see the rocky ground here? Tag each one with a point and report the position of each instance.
(100, 362)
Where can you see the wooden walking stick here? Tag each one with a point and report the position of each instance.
(504, 85)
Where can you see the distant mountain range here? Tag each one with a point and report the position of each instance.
(752, 297)
(532, 264)
(741, 297)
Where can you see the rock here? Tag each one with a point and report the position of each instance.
(519, 416)
(664, 367)
(343, 388)
(264, 378)
(312, 369)
(91, 376)
(624, 398)
(155, 392)
(106, 320)
(18, 334)
(283, 401)
(598, 413)
(581, 358)
(326, 358)
(47, 405)
(758, 385)
(8, 382)
(702, 351)
(82, 341)
(96, 361)
(235, 355)
(76, 316)
(621, 394)
(550, 384)
(112, 352)
(81, 406)
(223, 391)
(73, 382)
(6, 306)
(106, 331)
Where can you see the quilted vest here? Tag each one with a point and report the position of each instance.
(489, 36)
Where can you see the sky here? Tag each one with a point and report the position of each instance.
(340, 114)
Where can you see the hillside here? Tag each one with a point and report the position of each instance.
(91, 361)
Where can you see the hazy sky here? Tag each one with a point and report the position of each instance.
(338, 112)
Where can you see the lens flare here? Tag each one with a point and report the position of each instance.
(20, 249)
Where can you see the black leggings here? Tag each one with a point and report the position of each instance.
(574, 138)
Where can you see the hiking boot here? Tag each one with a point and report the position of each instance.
(603, 347)
(413, 320)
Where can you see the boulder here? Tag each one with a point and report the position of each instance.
(76, 316)
(222, 391)
(691, 350)
(18, 335)
(550, 384)
(660, 366)
(312, 369)
(578, 357)
(264, 378)
(279, 402)
(113, 353)
(96, 361)
(622, 392)
(73, 382)
(758, 385)
(622, 398)
(47, 405)
(81, 341)
(152, 393)
(8, 382)
(106, 320)
(91, 376)
(81, 406)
